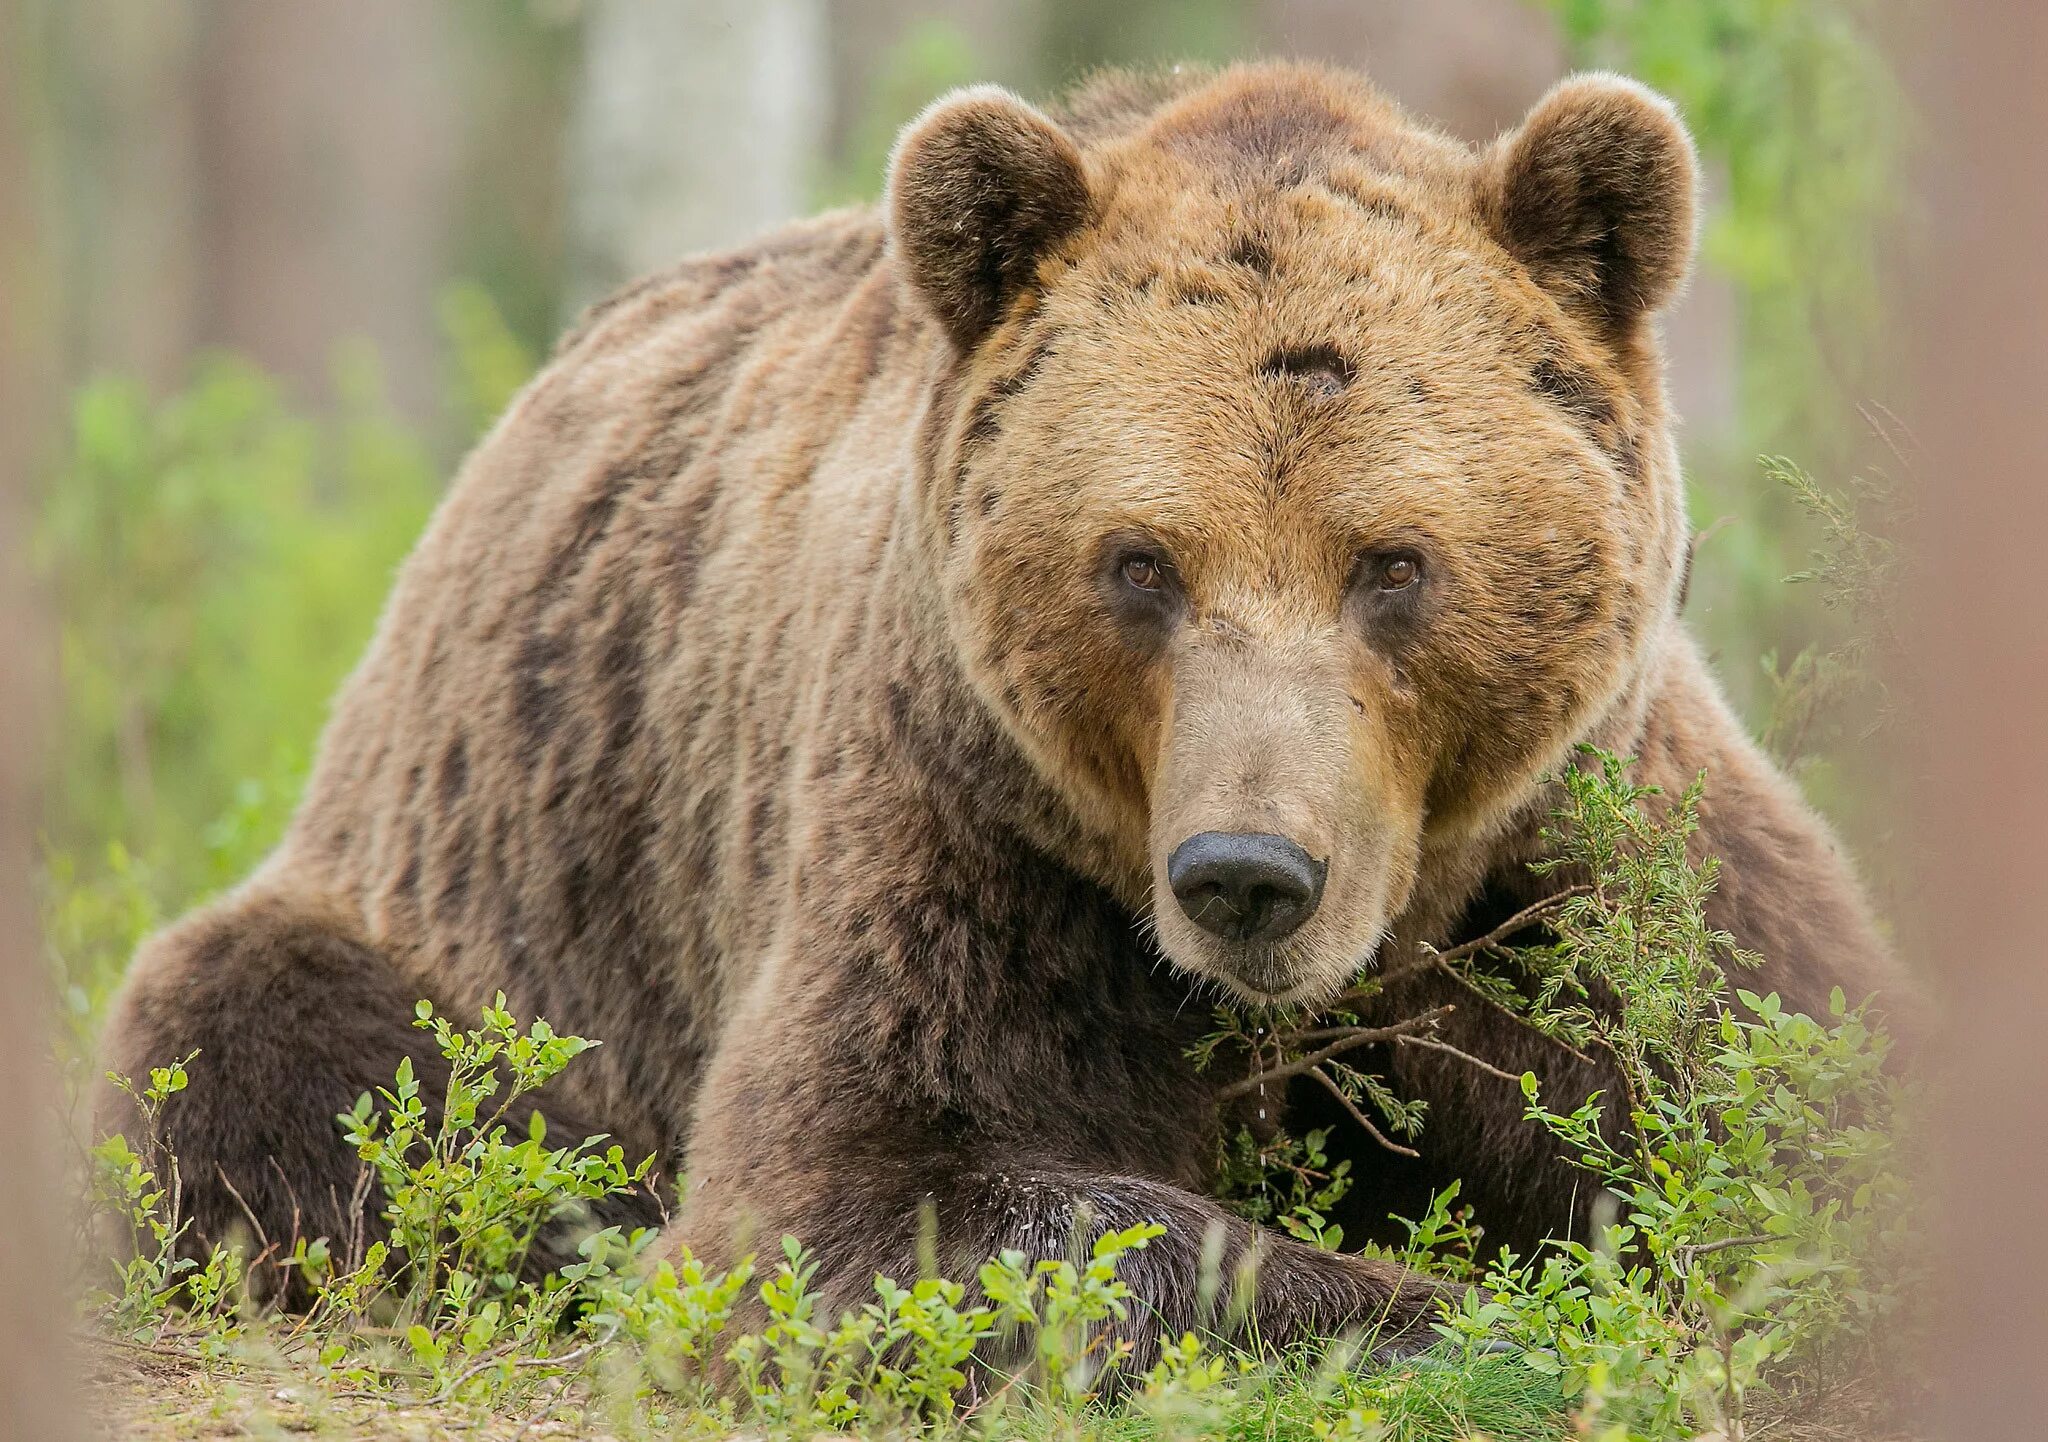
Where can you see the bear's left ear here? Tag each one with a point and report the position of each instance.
(1595, 194)
(980, 185)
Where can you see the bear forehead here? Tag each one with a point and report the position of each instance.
(1303, 199)
(1259, 130)
(1308, 319)
(1289, 280)
(1251, 119)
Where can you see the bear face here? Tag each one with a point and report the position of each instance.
(1304, 493)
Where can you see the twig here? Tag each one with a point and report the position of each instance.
(992, 1397)
(1437, 1043)
(1354, 1037)
(1701, 1249)
(1887, 427)
(242, 1202)
(1517, 1017)
(564, 1361)
(544, 1408)
(186, 1355)
(1431, 957)
(1359, 1116)
(269, 1249)
(1527, 916)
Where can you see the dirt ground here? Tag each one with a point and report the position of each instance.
(139, 1398)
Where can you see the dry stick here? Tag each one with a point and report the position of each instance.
(1437, 1043)
(544, 1411)
(1408, 1033)
(198, 1360)
(564, 1362)
(1355, 1037)
(1359, 1116)
(269, 1246)
(992, 1397)
(1520, 1020)
(1701, 1249)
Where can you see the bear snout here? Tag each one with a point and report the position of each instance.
(1245, 886)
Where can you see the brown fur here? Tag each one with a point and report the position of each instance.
(764, 701)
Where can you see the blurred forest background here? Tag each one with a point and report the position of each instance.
(289, 257)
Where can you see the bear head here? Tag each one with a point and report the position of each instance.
(1300, 487)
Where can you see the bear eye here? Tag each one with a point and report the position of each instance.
(1395, 572)
(1144, 572)
(1141, 586)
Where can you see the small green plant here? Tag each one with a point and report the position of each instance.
(466, 1203)
(443, 1307)
(884, 1365)
(1759, 1209)
(1634, 971)
(1287, 1182)
(1758, 1225)
(156, 1284)
(1754, 1238)
(1070, 1308)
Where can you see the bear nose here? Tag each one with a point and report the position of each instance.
(1245, 885)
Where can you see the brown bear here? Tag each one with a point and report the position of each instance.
(890, 680)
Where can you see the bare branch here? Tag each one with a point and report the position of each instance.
(1435, 1043)
(1359, 1116)
(1431, 957)
(1352, 1038)
(563, 1362)
(1701, 1249)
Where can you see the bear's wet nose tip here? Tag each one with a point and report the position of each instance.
(1245, 885)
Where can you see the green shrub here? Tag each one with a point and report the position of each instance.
(464, 1204)
(1756, 1240)
(1760, 1208)
(441, 1307)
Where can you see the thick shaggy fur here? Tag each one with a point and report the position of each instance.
(767, 699)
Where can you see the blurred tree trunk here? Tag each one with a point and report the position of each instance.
(34, 1313)
(328, 145)
(696, 125)
(1979, 670)
(112, 84)
(270, 177)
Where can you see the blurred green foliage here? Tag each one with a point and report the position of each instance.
(519, 64)
(1798, 118)
(217, 559)
(1800, 127)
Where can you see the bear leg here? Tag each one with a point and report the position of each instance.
(293, 1015)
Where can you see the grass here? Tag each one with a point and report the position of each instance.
(152, 1397)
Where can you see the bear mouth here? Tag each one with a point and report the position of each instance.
(1269, 977)
(1263, 976)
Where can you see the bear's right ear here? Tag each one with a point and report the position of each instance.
(979, 186)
